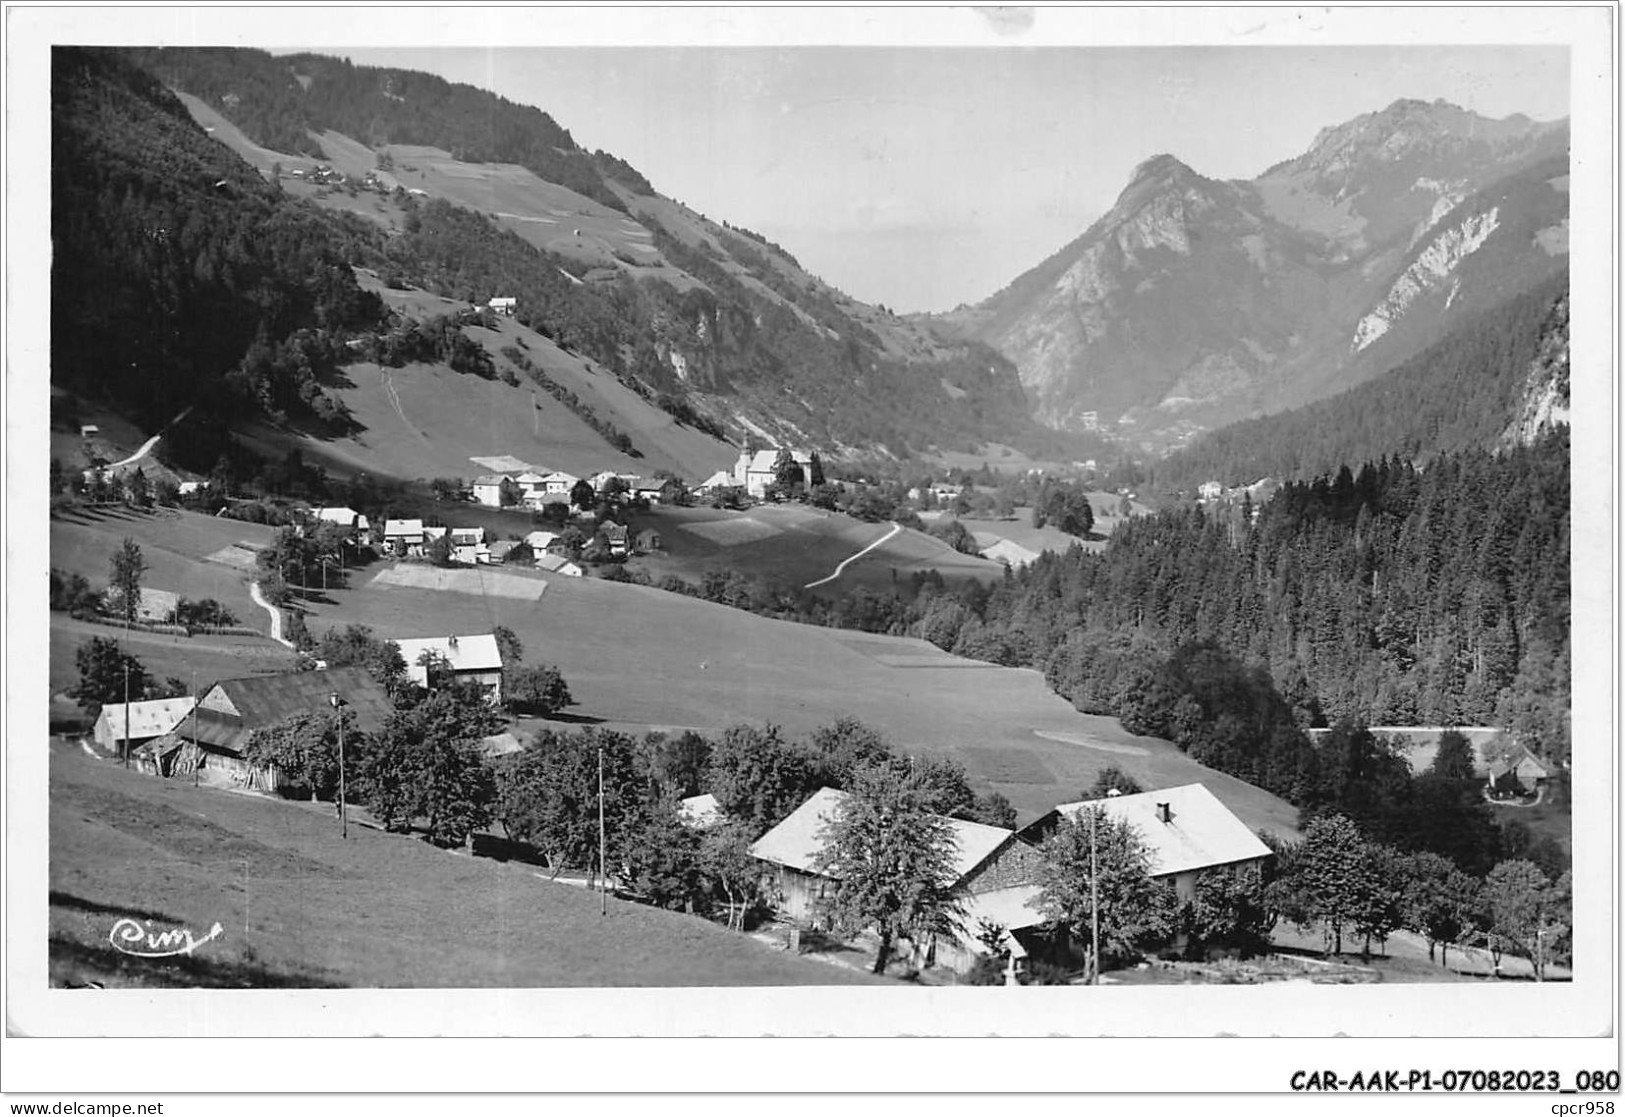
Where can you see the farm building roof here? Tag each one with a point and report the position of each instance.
(489, 479)
(540, 540)
(264, 700)
(699, 812)
(152, 718)
(500, 744)
(531, 477)
(1009, 552)
(348, 517)
(796, 841)
(558, 564)
(1519, 759)
(1011, 908)
(500, 549)
(155, 605)
(468, 536)
(1200, 832)
(403, 527)
(721, 479)
(464, 653)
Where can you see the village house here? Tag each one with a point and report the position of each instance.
(470, 659)
(500, 549)
(699, 812)
(614, 536)
(358, 530)
(146, 721)
(721, 479)
(1009, 552)
(1186, 830)
(541, 540)
(403, 537)
(1518, 771)
(531, 483)
(504, 305)
(154, 607)
(1210, 490)
(487, 490)
(215, 735)
(557, 564)
(559, 482)
(468, 546)
(647, 541)
(987, 859)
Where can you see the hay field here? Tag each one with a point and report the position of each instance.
(179, 547)
(301, 907)
(797, 545)
(638, 658)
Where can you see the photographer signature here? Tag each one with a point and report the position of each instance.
(130, 937)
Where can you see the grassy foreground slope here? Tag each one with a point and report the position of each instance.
(640, 658)
(299, 906)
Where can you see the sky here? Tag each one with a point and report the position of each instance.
(924, 177)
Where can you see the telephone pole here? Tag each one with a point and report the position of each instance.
(1094, 899)
(603, 867)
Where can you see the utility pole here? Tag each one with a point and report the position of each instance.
(338, 705)
(197, 761)
(126, 749)
(1094, 899)
(603, 867)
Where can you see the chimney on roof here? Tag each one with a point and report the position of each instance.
(1164, 813)
(451, 641)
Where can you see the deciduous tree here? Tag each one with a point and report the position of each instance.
(102, 664)
(892, 861)
(1133, 907)
(124, 581)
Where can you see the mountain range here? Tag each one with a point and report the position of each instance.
(1196, 301)
(228, 187)
(224, 221)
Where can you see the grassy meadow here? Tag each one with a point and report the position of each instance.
(638, 658)
(301, 907)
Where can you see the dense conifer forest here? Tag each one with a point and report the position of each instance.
(1457, 394)
(172, 257)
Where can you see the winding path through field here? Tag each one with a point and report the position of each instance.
(148, 444)
(895, 528)
(276, 614)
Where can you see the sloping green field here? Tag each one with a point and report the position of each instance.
(178, 546)
(641, 658)
(797, 545)
(298, 906)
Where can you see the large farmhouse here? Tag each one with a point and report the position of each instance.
(228, 713)
(987, 859)
(1186, 830)
(471, 659)
(121, 727)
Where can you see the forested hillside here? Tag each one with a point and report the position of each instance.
(1390, 596)
(1459, 394)
(281, 101)
(170, 257)
(722, 325)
